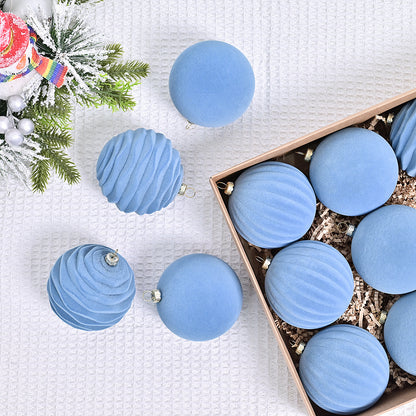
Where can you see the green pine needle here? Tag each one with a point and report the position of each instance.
(114, 52)
(128, 71)
(40, 175)
(61, 164)
(115, 95)
(52, 136)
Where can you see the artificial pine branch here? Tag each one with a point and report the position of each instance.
(53, 136)
(114, 52)
(40, 175)
(62, 164)
(127, 71)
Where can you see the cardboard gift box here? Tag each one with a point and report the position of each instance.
(293, 153)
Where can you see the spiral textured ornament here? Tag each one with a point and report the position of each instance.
(309, 284)
(272, 204)
(140, 171)
(344, 369)
(403, 137)
(89, 291)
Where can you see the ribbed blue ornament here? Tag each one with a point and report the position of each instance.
(272, 204)
(400, 332)
(353, 171)
(403, 137)
(344, 369)
(140, 171)
(86, 292)
(309, 284)
(383, 249)
(201, 297)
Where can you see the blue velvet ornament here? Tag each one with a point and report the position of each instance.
(344, 369)
(140, 171)
(309, 284)
(272, 204)
(90, 287)
(211, 83)
(353, 171)
(383, 249)
(201, 297)
(400, 332)
(403, 137)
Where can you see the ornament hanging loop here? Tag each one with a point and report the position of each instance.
(187, 191)
(383, 317)
(228, 187)
(189, 125)
(265, 262)
(152, 296)
(112, 258)
(308, 155)
(299, 347)
(387, 121)
(346, 228)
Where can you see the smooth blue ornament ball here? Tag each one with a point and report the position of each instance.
(140, 171)
(272, 204)
(353, 171)
(88, 293)
(201, 297)
(383, 249)
(309, 284)
(403, 137)
(211, 83)
(400, 332)
(344, 369)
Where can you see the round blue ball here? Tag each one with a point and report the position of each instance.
(353, 171)
(400, 332)
(403, 137)
(272, 204)
(87, 293)
(201, 297)
(383, 249)
(211, 83)
(309, 284)
(344, 369)
(140, 171)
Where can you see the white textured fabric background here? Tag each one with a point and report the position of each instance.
(315, 62)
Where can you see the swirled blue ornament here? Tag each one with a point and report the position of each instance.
(400, 332)
(353, 171)
(90, 287)
(272, 204)
(383, 249)
(309, 284)
(140, 171)
(344, 369)
(403, 137)
(201, 297)
(211, 83)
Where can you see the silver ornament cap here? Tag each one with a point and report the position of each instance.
(16, 103)
(26, 126)
(13, 137)
(4, 124)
